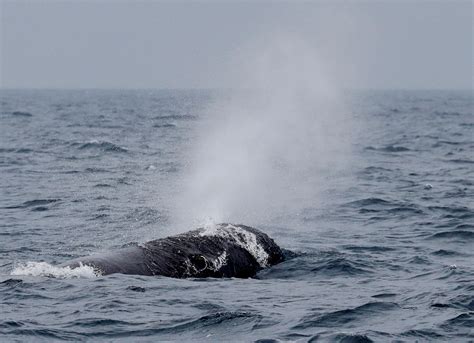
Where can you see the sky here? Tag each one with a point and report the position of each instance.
(156, 44)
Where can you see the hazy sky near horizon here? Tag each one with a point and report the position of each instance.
(154, 44)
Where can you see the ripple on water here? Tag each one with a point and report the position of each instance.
(343, 317)
(35, 202)
(389, 148)
(454, 235)
(318, 266)
(21, 114)
(100, 145)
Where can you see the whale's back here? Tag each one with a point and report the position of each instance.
(223, 250)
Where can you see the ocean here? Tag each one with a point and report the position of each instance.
(384, 249)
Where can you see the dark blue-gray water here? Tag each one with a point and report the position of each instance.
(389, 255)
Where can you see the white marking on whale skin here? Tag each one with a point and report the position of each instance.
(48, 270)
(220, 261)
(243, 238)
(190, 268)
(215, 264)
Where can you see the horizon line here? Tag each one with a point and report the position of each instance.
(212, 89)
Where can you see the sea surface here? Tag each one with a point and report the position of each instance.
(385, 254)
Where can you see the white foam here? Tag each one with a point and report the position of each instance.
(245, 239)
(46, 269)
(209, 229)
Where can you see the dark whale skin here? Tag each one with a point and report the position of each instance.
(225, 250)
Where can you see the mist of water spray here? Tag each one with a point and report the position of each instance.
(267, 148)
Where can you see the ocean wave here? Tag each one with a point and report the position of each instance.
(342, 317)
(341, 266)
(442, 142)
(452, 210)
(100, 145)
(103, 185)
(146, 215)
(136, 289)
(405, 209)
(373, 169)
(369, 202)
(108, 328)
(176, 117)
(464, 320)
(218, 318)
(48, 270)
(464, 182)
(447, 253)
(447, 113)
(21, 114)
(389, 148)
(384, 295)
(461, 161)
(20, 150)
(3, 150)
(368, 249)
(12, 283)
(167, 125)
(427, 334)
(100, 216)
(98, 322)
(316, 265)
(94, 170)
(390, 208)
(454, 234)
(40, 209)
(340, 338)
(463, 302)
(20, 328)
(33, 203)
(464, 226)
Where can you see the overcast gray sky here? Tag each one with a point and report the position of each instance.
(153, 44)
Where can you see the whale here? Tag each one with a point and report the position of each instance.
(219, 251)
